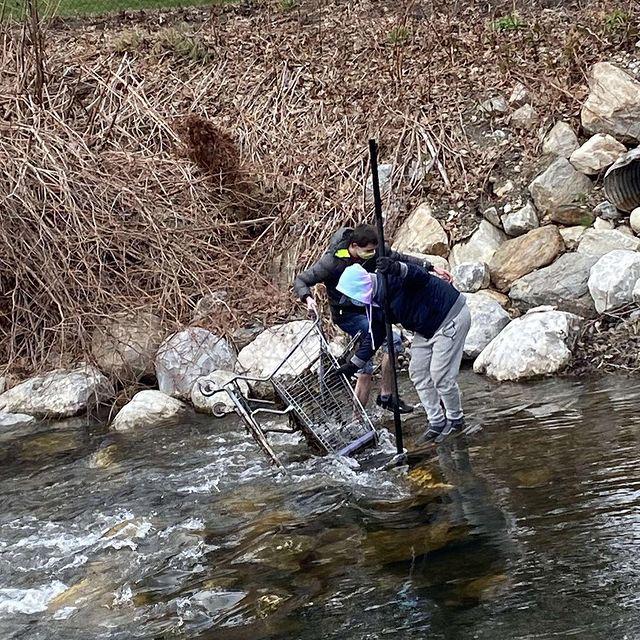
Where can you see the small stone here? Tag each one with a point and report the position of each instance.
(526, 117)
(561, 141)
(507, 208)
(491, 214)
(471, 276)
(634, 220)
(596, 154)
(504, 189)
(522, 221)
(603, 225)
(571, 236)
(613, 279)
(560, 184)
(607, 211)
(519, 94)
(495, 106)
(422, 233)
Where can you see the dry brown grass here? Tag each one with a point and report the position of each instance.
(222, 154)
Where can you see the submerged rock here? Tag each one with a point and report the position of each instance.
(149, 409)
(488, 319)
(562, 284)
(188, 355)
(538, 343)
(59, 394)
(613, 278)
(15, 420)
(422, 233)
(219, 403)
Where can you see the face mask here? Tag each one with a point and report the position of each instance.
(357, 303)
(366, 255)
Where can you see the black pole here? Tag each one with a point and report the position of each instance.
(382, 250)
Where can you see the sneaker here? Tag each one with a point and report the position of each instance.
(387, 404)
(452, 426)
(432, 432)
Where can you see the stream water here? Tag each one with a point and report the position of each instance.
(529, 530)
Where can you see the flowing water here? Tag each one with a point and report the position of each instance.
(529, 530)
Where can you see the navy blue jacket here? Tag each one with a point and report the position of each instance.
(419, 301)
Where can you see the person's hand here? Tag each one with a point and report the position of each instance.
(312, 306)
(349, 369)
(386, 265)
(443, 274)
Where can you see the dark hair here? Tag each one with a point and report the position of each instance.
(363, 235)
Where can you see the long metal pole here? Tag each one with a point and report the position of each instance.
(382, 251)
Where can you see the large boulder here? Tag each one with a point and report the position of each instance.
(536, 344)
(613, 278)
(517, 257)
(597, 153)
(561, 141)
(560, 184)
(262, 357)
(471, 276)
(60, 394)
(186, 356)
(613, 104)
(598, 242)
(126, 345)
(219, 403)
(422, 233)
(562, 284)
(480, 247)
(149, 408)
(519, 222)
(488, 319)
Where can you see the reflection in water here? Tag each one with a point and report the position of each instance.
(528, 530)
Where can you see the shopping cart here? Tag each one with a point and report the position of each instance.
(317, 399)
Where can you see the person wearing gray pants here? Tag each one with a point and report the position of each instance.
(438, 315)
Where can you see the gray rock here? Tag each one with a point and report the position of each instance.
(626, 230)
(562, 284)
(147, 409)
(480, 247)
(385, 180)
(519, 222)
(536, 344)
(571, 236)
(219, 403)
(60, 394)
(422, 233)
(3, 384)
(495, 106)
(525, 117)
(634, 220)
(597, 154)
(488, 319)
(561, 141)
(15, 420)
(613, 104)
(519, 95)
(491, 214)
(636, 295)
(209, 304)
(186, 356)
(596, 242)
(560, 184)
(613, 278)
(471, 276)
(607, 211)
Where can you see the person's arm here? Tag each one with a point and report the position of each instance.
(425, 264)
(318, 272)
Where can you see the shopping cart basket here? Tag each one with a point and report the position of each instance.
(319, 401)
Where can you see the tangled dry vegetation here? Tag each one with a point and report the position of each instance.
(162, 156)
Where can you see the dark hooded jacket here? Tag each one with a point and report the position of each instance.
(329, 268)
(419, 301)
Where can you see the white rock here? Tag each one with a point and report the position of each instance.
(526, 117)
(126, 345)
(596, 242)
(495, 106)
(471, 276)
(613, 104)
(59, 394)
(636, 293)
(480, 247)
(626, 230)
(519, 94)
(186, 356)
(15, 420)
(634, 220)
(561, 141)
(538, 343)
(149, 408)
(597, 153)
(3, 384)
(491, 214)
(488, 319)
(436, 261)
(603, 225)
(560, 184)
(612, 279)
(262, 357)
(422, 233)
(219, 403)
(571, 236)
(522, 221)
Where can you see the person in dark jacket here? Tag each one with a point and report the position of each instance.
(439, 317)
(348, 247)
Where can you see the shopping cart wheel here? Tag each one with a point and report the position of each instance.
(219, 410)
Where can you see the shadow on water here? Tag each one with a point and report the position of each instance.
(529, 530)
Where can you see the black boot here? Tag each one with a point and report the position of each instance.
(387, 403)
(432, 432)
(452, 426)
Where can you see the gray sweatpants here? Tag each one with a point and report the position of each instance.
(434, 368)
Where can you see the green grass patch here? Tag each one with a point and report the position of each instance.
(15, 8)
(510, 22)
